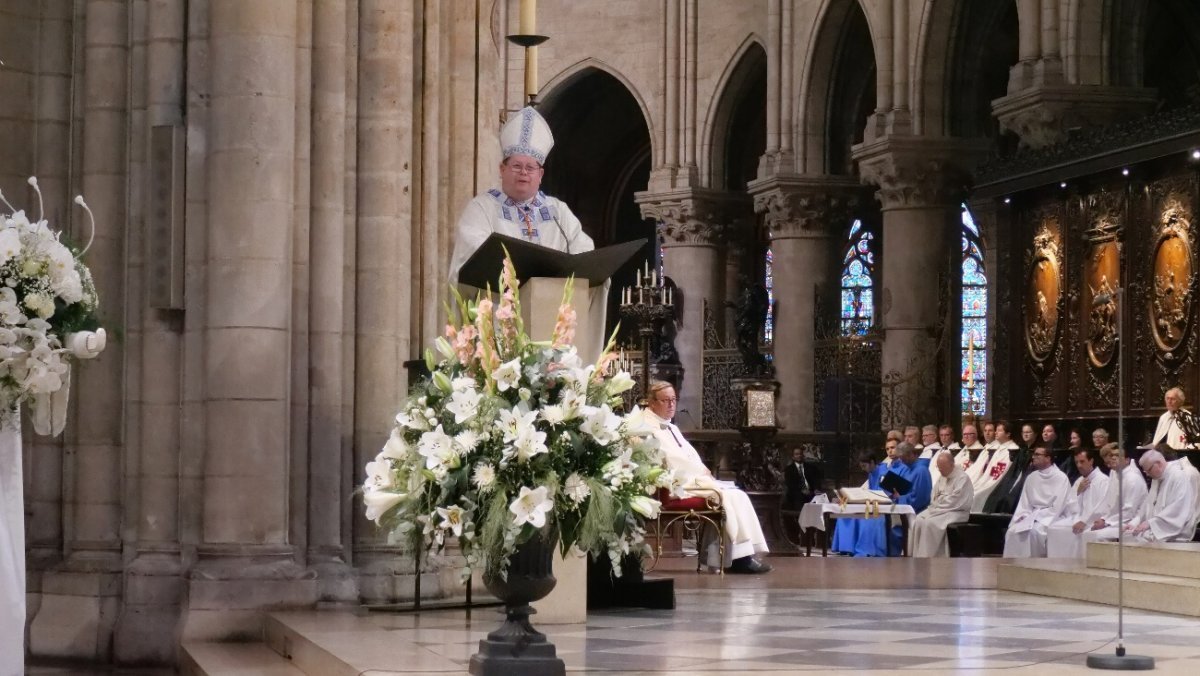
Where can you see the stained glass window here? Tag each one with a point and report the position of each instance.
(974, 320)
(769, 282)
(858, 296)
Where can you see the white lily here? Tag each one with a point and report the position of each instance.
(531, 506)
(602, 425)
(507, 375)
(452, 519)
(464, 404)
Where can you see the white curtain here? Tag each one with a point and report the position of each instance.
(12, 548)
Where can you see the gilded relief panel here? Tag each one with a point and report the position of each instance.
(1172, 294)
(1043, 290)
(1170, 269)
(1102, 277)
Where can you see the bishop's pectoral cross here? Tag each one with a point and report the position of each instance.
(531, 232)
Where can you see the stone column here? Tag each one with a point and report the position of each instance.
(692, 224)
(801, 216)
(81, 598)
(147, 629)
(326, 502)
(55, 80)
(246, 560)
(920, 182)
(384, 266)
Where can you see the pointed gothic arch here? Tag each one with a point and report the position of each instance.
(741, 89)
(837, 89)
(964, 53)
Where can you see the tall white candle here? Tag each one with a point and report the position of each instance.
(528, 22)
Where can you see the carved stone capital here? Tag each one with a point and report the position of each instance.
(696, 217)
(918, 172)
(795, 208)
(1044, 115)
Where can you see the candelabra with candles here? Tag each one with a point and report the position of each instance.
(649, 303)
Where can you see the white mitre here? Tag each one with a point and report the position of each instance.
(526, 133)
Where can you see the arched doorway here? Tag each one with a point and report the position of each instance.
(601, 158)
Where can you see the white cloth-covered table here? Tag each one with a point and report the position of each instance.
(12, 549)
(814, 515)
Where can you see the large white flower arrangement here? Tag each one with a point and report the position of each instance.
(48, 309)
(512, 436)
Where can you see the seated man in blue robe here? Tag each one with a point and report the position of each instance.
(918, 494)
(864, 537)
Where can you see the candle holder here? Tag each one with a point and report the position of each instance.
(649, 303)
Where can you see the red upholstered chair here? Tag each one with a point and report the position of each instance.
(692, 514)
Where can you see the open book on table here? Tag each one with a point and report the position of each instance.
(859, 495)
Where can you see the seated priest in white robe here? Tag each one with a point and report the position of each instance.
(743, 532)
(1167, 512)
(1043, 500)
(1124, 497)
(1169, 430)
(997, 464)
(973, 456)
(951, 503)
(1086, 503)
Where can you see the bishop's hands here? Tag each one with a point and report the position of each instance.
(87, 344)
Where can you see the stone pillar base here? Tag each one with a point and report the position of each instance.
(229, 592)
(77, 614)
(387, 576)
(148, 626)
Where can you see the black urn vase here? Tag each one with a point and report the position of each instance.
(516, 648)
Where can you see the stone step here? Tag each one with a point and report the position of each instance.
(343, 643)
(1074, 580)
(1177, 559)
(245, 659)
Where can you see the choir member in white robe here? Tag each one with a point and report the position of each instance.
(1086, 503)
(972, 457)
(951, 503)
(945, 442)
(1124, 497)
(997, 465)
(1167, 512)
(742, 528)
(1169, 431)
(929, 445)
(1043, 500)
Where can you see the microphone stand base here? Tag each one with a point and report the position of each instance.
(1121, 662)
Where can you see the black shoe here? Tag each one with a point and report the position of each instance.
(748, 565)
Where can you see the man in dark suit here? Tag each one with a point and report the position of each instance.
(801, 481)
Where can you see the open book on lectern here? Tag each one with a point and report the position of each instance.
(534, 260)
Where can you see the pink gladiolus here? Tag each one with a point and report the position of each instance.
(564, 327)
(603, 365)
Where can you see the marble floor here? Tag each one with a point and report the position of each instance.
(778, 630)
(805, 616)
